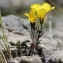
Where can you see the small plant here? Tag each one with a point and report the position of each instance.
(36, 18)
(21, 47)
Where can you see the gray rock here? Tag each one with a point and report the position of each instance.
(16, 24)
(56, 56)
(14, 61)
(51, 45)
(19, 29)
(31, 59)
(50, 49)
(17, 58)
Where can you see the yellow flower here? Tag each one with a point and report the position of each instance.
(42, 9)
(31, 16)
(47, 7)
(36, 7)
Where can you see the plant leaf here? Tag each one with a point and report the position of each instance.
(12, 43)
(18, 45)
(26, 41)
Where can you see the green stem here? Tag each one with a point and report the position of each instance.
(2, 28)
(41, 21)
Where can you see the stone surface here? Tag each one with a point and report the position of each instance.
(55, 43)
(49, 48)
(56, 56)
(18, 29)
(16, 24)
(31, 59)
(14, 61)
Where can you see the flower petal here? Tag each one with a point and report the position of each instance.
(32, 13)
(35, 7)
(42, 13)
(31, 16)
(27, 14)
(52, 7)
(46, 6)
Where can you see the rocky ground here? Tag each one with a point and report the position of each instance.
(18, 29)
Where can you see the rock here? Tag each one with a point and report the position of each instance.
(47, 44)
(55, 43)
(17, 58)
(14, 61)
(16, 24)
(58, 43)
(57, 56)
(16, 29)
(20, 30)
(45, 41)
(11, 37)
(21, 26)
(47, 50)
(49, 47)
(30, 59)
